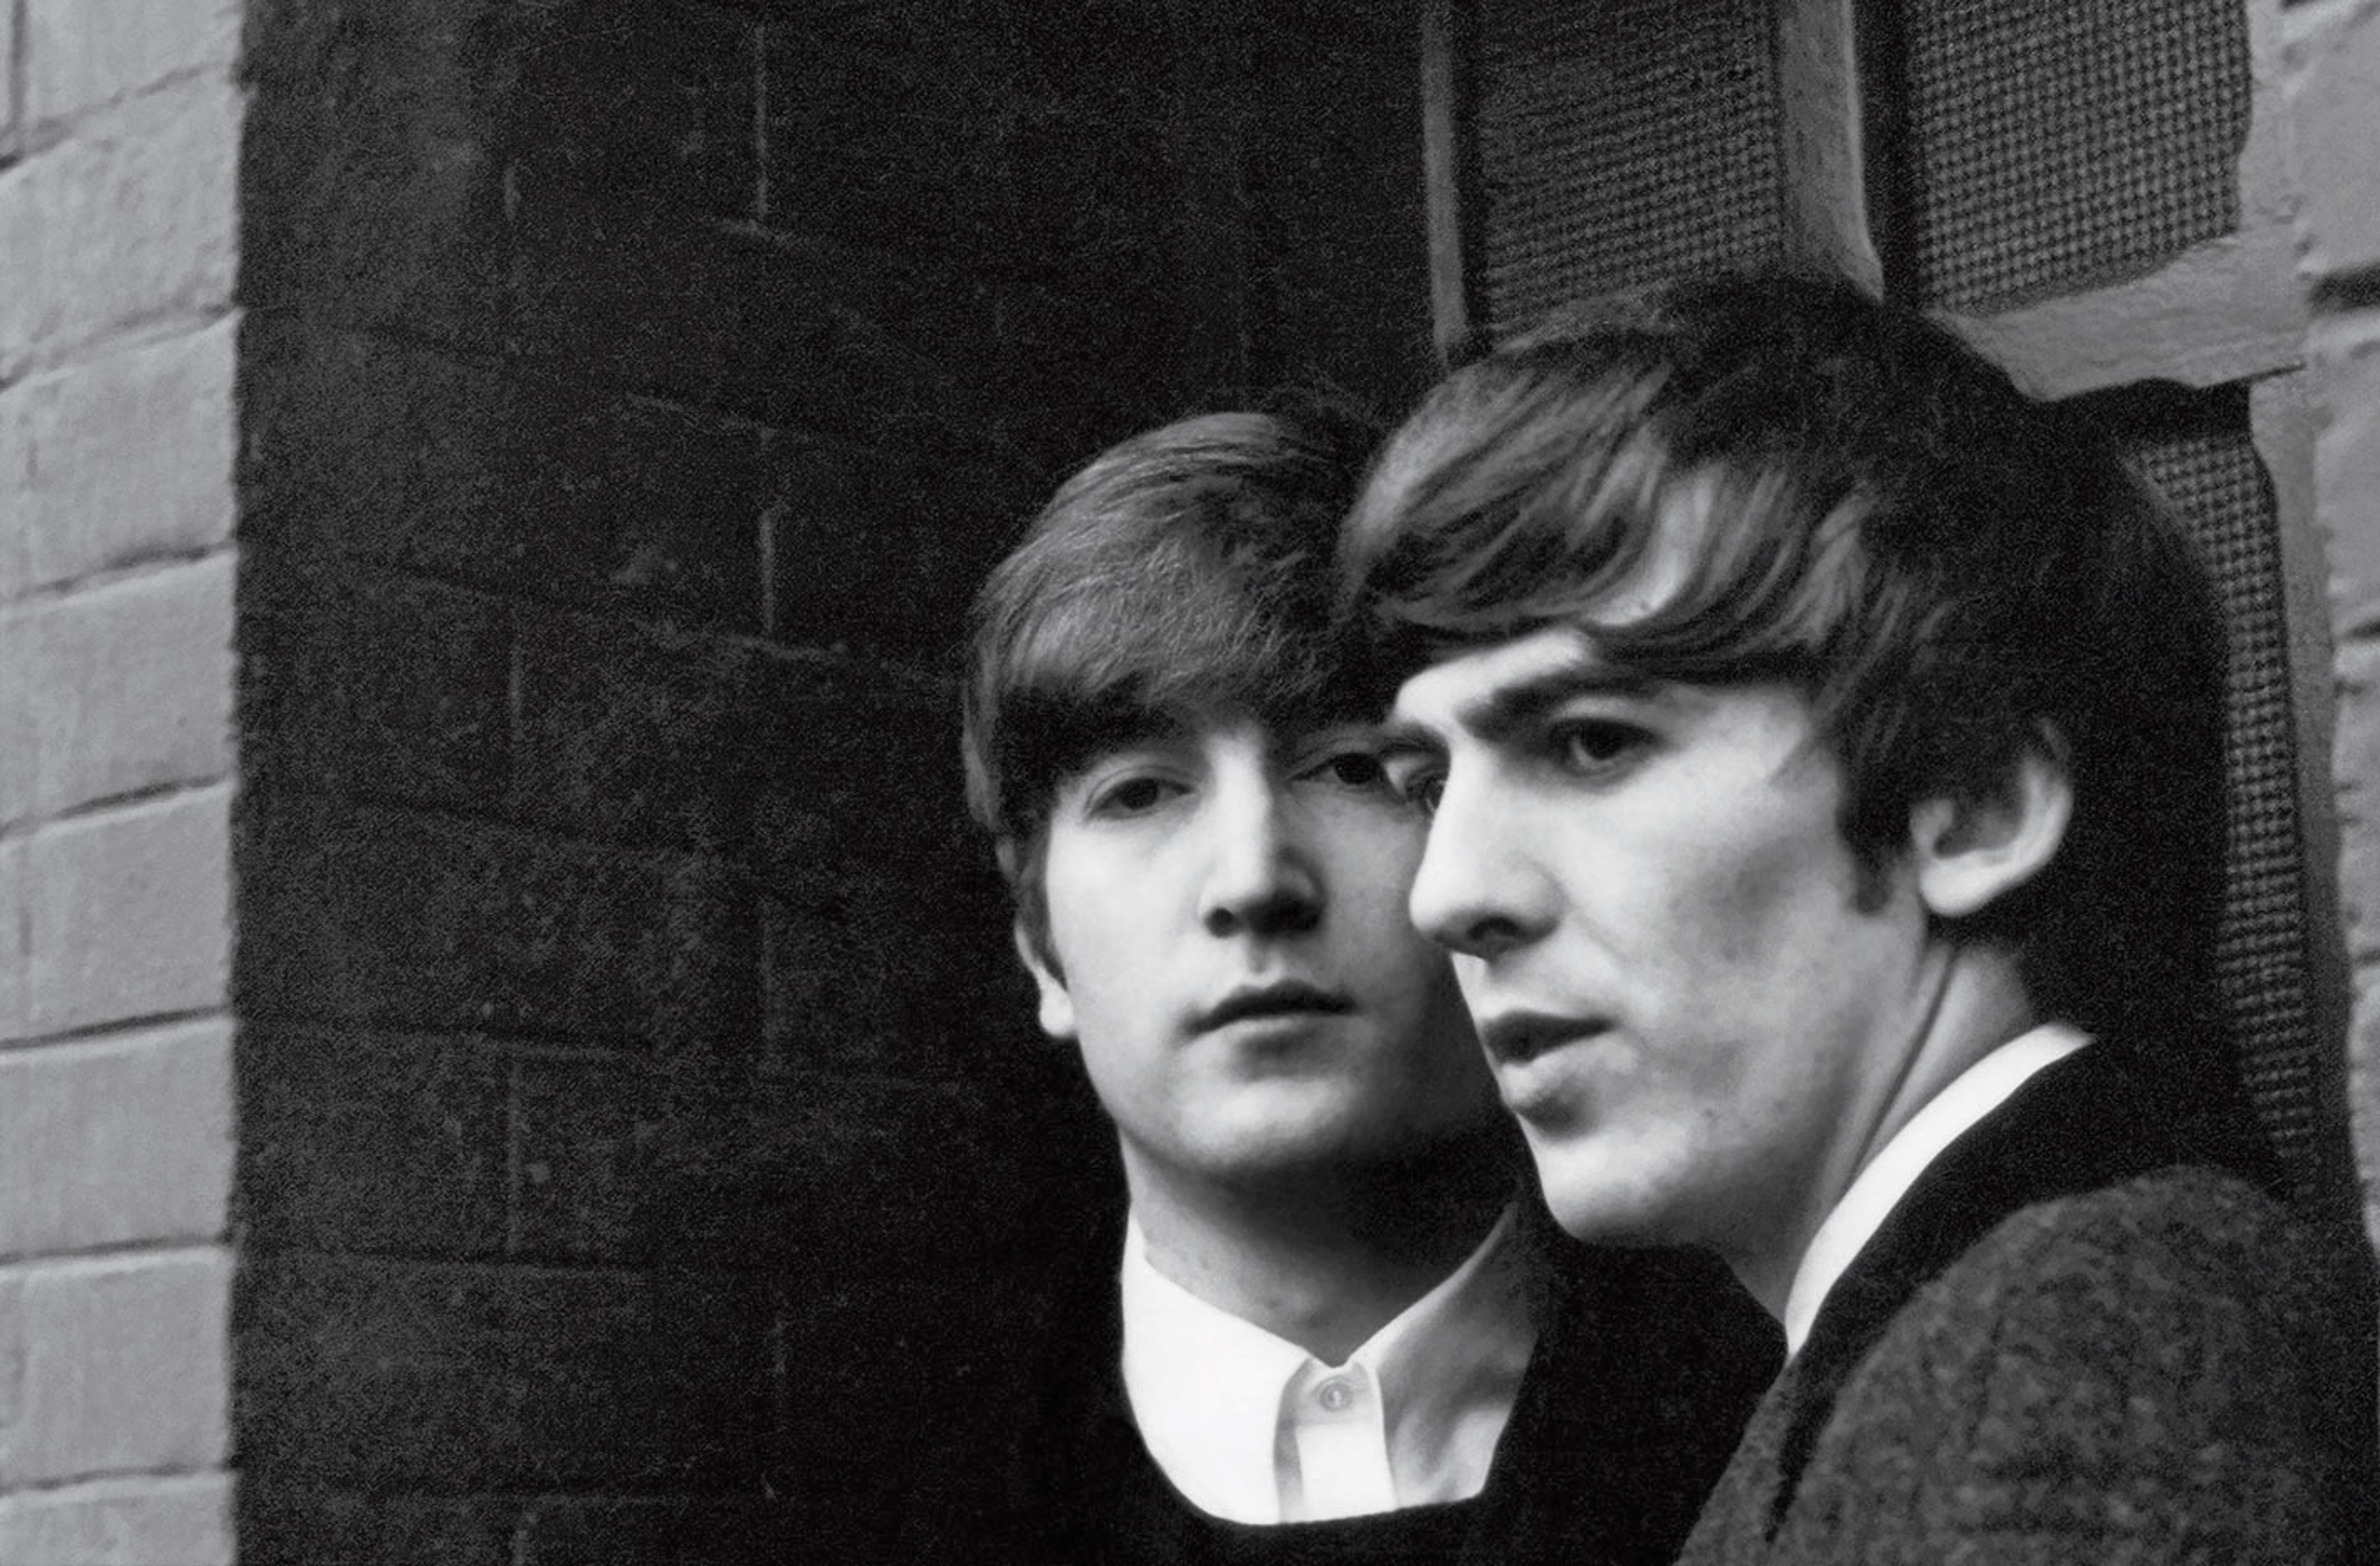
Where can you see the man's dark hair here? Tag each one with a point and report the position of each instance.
(1185, 572)
(1950, 571)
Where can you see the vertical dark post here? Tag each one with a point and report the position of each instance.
(1447, 31)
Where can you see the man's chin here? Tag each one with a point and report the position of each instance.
(1277, 1152)
(1287, 1138)
(1589, 1195)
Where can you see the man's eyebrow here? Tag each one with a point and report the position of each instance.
(1496, 715)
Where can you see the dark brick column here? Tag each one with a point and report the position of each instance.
(633, 392)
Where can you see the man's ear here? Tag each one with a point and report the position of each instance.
(1057, 1006)
(1969, 853)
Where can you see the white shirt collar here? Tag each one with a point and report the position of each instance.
(1877, 1189)
(1250, 1427)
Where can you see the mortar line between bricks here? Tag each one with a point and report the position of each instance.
(106, 1479)
(179, 319)
(544, 1495)
(478, 1259)
(111, 1029)
(11, 148)
(898, 675)
(526, 830)
(767, 527)
(161, 564)
(28, 827)
(958, 1092)
(811, 247)
(761, 119)
(522, 1043)
(478, 1265)
(515, 1177)
(180, 76)
(554, 374)
(890, 677)
(516, 715)
(316, 320)
(519, 831)
(94, 1259)
(100, 1038)
(657, 1499)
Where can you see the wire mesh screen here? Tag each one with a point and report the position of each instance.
(1618, 144)
(2059, 144)
(2196, 447)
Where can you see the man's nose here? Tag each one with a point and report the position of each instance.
(1478, 891)
(1261, 878)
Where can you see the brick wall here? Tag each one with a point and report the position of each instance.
(119, 143)
(2334, 98)
(633, 1084)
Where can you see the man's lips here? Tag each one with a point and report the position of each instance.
(1519, 1036)
(1289, 997)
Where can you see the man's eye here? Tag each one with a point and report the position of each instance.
(1596, 746)
(1130, 797)
(1354, 768)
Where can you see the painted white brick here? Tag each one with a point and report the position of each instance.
(2334, 101)
(83, 54)
(121, 688)
(131, 221)
(9, 128)
(20, 758)
(184, 1519)
(116, 1141)
(2355, 754)
(15, 959)
(129, 913)
(2344, 354)
(118, 1365)
(124, 459)
(2355, 759)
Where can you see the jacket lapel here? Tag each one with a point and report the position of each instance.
(2091, 1120)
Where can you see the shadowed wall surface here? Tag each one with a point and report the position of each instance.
(637, 1096)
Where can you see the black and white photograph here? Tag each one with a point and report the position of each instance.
(1263, 783)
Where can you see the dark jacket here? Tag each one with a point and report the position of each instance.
(1642, 1379)
(2091, 1332)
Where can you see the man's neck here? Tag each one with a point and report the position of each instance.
(1323, 1259)
(1977, 1004)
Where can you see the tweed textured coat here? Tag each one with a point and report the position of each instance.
(2089, 1333)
